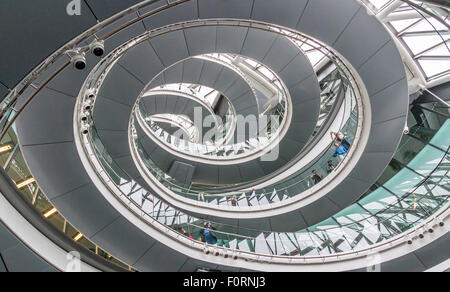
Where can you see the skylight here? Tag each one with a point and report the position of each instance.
(426, 38)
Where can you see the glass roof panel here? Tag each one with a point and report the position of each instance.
(380, 3)
(400, 25)
(441, 49)
(436, 24)
(435, 67)
(377, 5)
(422, 25)
(427, 37)
(418, 44)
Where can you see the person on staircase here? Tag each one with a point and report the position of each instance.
(316, 178)
(340, 150)
(210, 238)
(340, 138)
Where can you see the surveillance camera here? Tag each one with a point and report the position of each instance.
(79, 61)
(98, 48)
(421, 236)
(441, 224)
(430, 230)
(410, 241)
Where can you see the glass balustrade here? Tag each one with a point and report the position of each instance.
(324, 165)
(404, 201)
(216, 149)
(219, 148)
(389, 210)
(409, 197)
(225, 127)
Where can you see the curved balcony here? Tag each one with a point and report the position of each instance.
(395, 208)
(226, 125)
(274, 91)
(257, 203)
(357, 172)
(295, 185)
(384, 123)
(392, 210)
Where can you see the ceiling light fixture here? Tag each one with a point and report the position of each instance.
(78, 237)
(50, 212)
(5, 148)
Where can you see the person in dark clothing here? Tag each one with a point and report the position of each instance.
(202, 232)
(417, 113)
(345, 143)
(315, 177)
(330, 166)
(208, 234)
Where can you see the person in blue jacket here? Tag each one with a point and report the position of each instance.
(207, 233)
(340, 150)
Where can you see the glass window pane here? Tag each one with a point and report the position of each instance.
(403, 182)
(442, 138)
(427, 160)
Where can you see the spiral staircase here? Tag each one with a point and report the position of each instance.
(118, 163)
